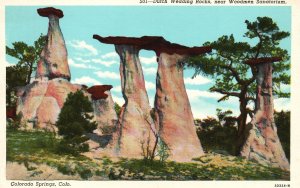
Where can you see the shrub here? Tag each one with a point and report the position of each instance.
(73, 122)
(117, 109)
(282, 120)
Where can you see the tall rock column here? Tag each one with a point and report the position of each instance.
(135, 132)
(53, 61)
(174, 117)
(40, 102)
(173, 110)
(262, 143)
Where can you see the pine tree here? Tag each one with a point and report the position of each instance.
(74, 122)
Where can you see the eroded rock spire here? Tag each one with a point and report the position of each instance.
(262, 143)
(53, 61)
(174, 118)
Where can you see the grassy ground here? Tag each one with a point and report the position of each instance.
(39, 148)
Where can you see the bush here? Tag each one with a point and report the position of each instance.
(282, 120)
(74, 122)
(218, 135)
(15, 123)
(117, 109)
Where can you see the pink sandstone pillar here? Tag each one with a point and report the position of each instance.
(173, 110)
(262, 143)
(135, 131)
(53, 61)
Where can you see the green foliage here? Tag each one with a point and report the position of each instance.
(233, 78)
(23, 147)
(27, 56)
(20, 74)
(15, 76)
(73, 122)
(117, 109)
(162, 151)
(28, 143)
(14, 124)
(218, 135)
(282, 120)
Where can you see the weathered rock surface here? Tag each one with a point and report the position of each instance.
(40, 102)
(104, 111)
(173, 110)
(135, 129)
(262, 143)
(53, 61)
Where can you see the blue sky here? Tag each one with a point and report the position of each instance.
(93, 63)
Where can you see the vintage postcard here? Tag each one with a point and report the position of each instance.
(164, 93)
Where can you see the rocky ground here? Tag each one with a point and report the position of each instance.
(30, 156)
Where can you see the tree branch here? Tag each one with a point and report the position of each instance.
(235, 94)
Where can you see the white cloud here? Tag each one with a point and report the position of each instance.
(82, 60)
(86, 80)
(199, 80)
(149, 85)
(151, 101)
(195, 94)
(82, 45)
(110, 55)
(285, 88)
(118, 100)
(282, 104)
(105, 63)
(107, 74)
(80, 65)
(148, 60)
(150, 70)
(117, 89)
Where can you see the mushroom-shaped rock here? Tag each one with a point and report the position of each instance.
(172, 107)
(173, 111)
(98, 91)
(53, 61)
(262, 143)
(104, 111)
(155, 43)
(135, 132)
(46, 12)
(136, 129)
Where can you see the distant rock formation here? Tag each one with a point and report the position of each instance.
(262, 143)
(53, 61)
(104, 111)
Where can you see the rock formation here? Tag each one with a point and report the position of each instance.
(40, 101)
(173, 110)
(172, 107)
(53, 61)
(262, 143)
(174, 119)
(136, 129)
(104, 111)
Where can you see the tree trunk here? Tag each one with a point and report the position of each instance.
(29, 73)
(242, 119)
